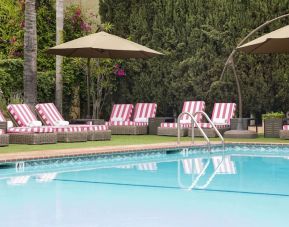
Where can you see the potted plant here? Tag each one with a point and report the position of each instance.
(273, 122)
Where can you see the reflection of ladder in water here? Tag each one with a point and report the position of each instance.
(222, 165)
(194, 122)
(200, 170)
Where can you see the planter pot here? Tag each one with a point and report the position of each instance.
(243, 123)
(272, 127)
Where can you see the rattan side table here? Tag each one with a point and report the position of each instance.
(155, 122)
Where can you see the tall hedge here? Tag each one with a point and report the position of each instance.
(196, 37)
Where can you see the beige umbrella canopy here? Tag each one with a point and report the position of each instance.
(273, 42)
(103, 45)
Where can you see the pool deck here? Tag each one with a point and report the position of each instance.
(32, 155)
(61, 153)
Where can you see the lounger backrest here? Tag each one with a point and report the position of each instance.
(22, 114)
(2, 118)
(224, 111)
(122, 111)
(192, 107)
(145, 111)
(48, 113)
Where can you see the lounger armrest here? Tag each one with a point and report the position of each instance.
(3, 125)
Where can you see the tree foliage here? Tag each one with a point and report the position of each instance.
(197, 37)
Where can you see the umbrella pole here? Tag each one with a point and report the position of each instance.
(88, 89)
(230, 58)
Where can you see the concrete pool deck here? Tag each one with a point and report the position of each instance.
(60, 153)
(45, 154)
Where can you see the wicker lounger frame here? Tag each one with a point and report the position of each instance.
(166, 131)
(129, 130)
(210, 132)
(99, 135)
(32, 138)
(4, 138)
(67, 137)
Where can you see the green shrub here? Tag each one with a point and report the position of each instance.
(273, 115)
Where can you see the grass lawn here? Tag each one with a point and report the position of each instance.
(124, 140)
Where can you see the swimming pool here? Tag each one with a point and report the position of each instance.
(249, 186)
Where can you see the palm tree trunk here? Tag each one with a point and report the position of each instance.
(59, 59)
(30, 54)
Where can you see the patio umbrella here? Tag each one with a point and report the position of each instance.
(102, 45)
(273, 42)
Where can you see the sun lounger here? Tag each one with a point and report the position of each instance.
(139, 124)
(50, 116)
(221, 117)
(24, 132)
(24, 117)
(170, 129)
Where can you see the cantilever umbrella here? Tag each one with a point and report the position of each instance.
(273, 42)
(102, 45)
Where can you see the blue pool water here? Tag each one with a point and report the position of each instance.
(248, 186)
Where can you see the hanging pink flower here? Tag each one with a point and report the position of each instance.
(119, 70)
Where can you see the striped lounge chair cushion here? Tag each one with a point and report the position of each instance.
(43, 129)
(223, 111)
(144, 111)
(49, 114)
(21, 113)
(120, 113)
(285, 127)
(191, 107)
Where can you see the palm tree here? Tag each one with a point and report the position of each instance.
(30, 54)
(59, 59)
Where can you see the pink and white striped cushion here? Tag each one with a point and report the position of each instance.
(43, 129)
(21, 114)
(145, 110)
(221, 111)
(224, 111)
(67, 129)
(93, 127)
(123, 111)
(192, 107)
(285, 127)
(48, 113)
(122, 123)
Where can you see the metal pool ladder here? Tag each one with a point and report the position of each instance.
(193, 122)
